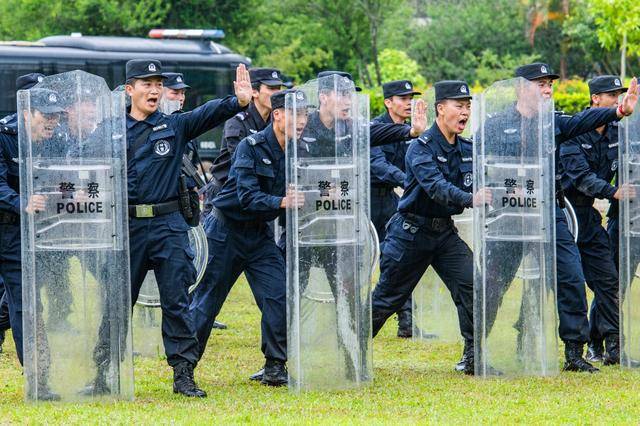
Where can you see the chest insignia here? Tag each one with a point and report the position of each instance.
(162, 147)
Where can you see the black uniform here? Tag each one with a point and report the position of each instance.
(590, 162)
(422, 233)
(243, 124)
(438, 185)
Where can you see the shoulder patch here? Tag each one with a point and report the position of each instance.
(586, 146)
(241, 115)
(424, 139)
(8, 130)
(442, 159)
(562, 114)
(255, 139)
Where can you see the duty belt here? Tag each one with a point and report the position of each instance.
(7, 218)
(153, 210)
(237, 224)
(413, 222)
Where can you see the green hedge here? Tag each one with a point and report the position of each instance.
(570, 96)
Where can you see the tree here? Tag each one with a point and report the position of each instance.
(617, 26)
(587, 56)
(450, 41)
(397, 65)
(92, 17)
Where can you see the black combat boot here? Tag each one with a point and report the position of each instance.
(275, 373)
(612, 344)
(469, 366)
(99, 385)
(183, 382)
(595, 351)
(2, 336)
(468, 359)
(257, 376)
(46, 394)
(219, 325)
(574, 360)
(38, 388)
(466, 352)
(405, 324)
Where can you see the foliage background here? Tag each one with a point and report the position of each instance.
(376, 40)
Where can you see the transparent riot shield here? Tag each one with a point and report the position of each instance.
(75, 248)
(330, 245)
(515, 319)
(629, 174)
(147, 317)
(434, 315)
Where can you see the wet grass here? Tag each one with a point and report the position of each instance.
(414, 383)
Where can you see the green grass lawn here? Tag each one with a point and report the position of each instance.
(414, 382)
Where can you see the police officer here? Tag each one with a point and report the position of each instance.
(158, 237)
(589, 164)
(24, 82)
(241, 239)
(264, 82)
(324, 127)
(43, 117)
(387, 173)
(421, 233)
(175, 88)
(571, 296)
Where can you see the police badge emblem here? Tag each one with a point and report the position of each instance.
(468, 180)
(162, 147)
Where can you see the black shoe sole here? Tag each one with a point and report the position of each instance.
(274, 384)
(581, 370)
(190, 396)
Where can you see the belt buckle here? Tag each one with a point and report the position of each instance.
(144, 210)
